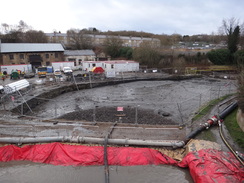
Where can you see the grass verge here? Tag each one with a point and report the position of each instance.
(207, 135)
(206, 108)
(234, 129)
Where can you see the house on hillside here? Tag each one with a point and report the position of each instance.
(99, 40)
(36, 54)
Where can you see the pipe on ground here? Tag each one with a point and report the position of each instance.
(175, 144)
(228, 110)
(25, 140)
(212, 121)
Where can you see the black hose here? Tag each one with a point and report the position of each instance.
(228, 145)
(194, 133)
(228, 110)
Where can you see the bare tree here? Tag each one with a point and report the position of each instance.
(79, 40)
(5, 27)
(231, 28)
(228, 25)
(242, 36)
(14, 33)
(112, 46)
(33, 36)
(23, 27)
(97, 50)
(146, 54)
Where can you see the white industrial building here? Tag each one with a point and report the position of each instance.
(113, 65)
(22, 67)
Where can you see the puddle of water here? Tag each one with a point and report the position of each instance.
(28, 172)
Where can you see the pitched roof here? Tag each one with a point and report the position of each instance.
(30, 47)
(79, 52)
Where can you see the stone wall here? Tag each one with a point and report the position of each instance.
(240, 119)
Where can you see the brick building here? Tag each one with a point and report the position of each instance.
(36, 54)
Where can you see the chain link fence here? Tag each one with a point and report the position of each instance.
(142, 102)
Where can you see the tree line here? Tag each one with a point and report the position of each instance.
(234, 35)
(231, 31)
(21, 33)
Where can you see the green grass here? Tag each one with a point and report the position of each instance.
(205, 109)
(234, 129)
(207, 135)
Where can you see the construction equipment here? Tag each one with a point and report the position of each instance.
(42, 71)
(14, 75)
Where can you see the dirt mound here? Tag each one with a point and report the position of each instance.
(128, 115)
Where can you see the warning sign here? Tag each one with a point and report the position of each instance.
(120, 108)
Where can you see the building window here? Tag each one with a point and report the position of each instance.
(112, 66)
(47, 55)
(71, 59)
(21, 56)
(93, 65)
(11, 56)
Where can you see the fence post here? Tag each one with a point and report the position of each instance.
(94, 113)
(136, 116)
(219, 91)
(55, 108)
(230, 88)
(22, 110)
(181, 117)
(90, 80)
(200, 101)
(210, 94)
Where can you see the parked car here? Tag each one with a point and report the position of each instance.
(67, 70)
(29, 75)
(1, 89)
(57, 72)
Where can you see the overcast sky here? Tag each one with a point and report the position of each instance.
(185, 17)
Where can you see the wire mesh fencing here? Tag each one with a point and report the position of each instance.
(157, 102)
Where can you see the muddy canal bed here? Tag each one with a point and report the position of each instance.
(175, 102)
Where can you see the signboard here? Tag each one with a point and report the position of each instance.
(110, 74)
(120, 108)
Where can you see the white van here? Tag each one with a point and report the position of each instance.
(67, 70)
